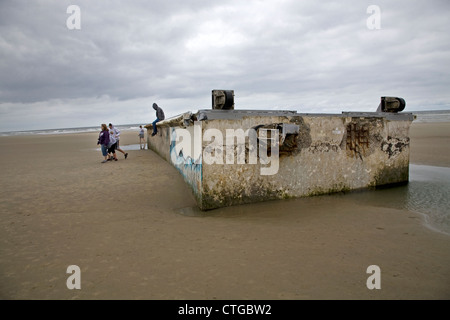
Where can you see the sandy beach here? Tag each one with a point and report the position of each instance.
(122, 223)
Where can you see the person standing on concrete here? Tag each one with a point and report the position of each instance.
(159, 117)
(117, 136)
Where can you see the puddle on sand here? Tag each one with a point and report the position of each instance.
(427, 193)
(128, 147)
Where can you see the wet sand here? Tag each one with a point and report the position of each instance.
(122, 224)
(430, 144)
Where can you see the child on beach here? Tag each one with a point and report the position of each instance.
(103, 141)
(141, 138)
(112, 146)
(117, 136)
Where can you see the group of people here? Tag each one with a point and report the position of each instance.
(108, 138)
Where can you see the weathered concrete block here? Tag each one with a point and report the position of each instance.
(242, 156)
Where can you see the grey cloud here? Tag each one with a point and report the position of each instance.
(295, 53)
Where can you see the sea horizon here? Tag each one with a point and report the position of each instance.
(421, 116)
(121, 127)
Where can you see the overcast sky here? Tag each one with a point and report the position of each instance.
(310, 56)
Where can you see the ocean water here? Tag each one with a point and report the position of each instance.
(432, 116)
(428, 193)
(126, 127)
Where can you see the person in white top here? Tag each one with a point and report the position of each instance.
(117, 136)
(112, 146)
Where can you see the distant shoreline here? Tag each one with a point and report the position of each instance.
(75, 130)
(434, 117)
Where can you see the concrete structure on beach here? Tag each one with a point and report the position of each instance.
(231, 157)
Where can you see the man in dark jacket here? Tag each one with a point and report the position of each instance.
(159, 117)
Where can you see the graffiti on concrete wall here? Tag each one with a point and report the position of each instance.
(394, 146)
(190, 168)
